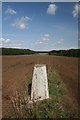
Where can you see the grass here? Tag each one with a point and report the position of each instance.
(50, 108)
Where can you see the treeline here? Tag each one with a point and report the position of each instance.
(69, 53)
(13, 51)
(42, 51)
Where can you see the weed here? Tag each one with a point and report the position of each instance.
(50, 108)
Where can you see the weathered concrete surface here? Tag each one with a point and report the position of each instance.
(39, 90)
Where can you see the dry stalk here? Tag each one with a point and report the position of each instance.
(20, 104)
(14, 106)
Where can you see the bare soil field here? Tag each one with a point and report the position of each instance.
(17, 69)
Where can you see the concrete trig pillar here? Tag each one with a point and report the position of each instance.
(39, 90)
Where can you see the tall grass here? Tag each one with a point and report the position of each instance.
(49, 108)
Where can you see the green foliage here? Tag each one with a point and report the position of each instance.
(69, 53)
(53, 107)
(50, 108)
(12, 51)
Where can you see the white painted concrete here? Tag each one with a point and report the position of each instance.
(39, 90)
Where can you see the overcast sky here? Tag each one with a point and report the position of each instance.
(40, 25)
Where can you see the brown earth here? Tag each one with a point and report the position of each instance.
(17, 69)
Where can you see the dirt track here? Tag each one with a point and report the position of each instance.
(17, 69)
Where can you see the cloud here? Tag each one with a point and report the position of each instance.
(69, 47)
(46, 35)
(2, 39)
(61, 41)
(10, 43)
(43, 39)
(1, 45)
(21, 23)
(39, 42)
(5, 40)
(58, 42)
(52, 9)
(15, 45)
(10, 11)
(76, 10)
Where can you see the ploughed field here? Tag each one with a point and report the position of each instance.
(17, 69)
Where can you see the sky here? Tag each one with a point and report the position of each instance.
(40, 0)
(39, 25)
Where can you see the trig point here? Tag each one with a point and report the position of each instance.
(39, 90)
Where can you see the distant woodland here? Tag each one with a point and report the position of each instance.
(69, 53)
(13, 51)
